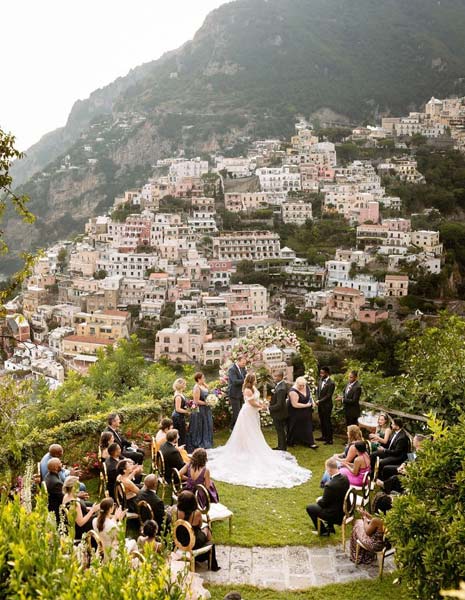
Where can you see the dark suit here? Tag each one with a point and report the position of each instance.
(395, 453)
(173, 459)
(330, 508)
(55, 493)
(324, 394)
(351, 402)
(278, 412)
(155, 503)
(136, 455)
(236, 377)
(112, 472)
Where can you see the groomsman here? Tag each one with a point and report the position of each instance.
(324, 394)
(351, 399)
(278, 409)
(236, 377)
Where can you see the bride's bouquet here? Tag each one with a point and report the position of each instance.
(212, 400)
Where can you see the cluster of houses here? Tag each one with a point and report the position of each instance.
(147, 260)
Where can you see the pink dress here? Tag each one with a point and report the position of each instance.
(357, 479)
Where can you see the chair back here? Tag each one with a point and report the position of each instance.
(144, 511)
(349, 504)
(183, 535)
(176, 481)
(93, 545)
(160, 464)
(120, 494)
(43, 485)
(153, 453)
(366, 489)
(39, 472)
(376, 469)
(203, 499)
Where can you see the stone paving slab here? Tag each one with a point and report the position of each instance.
(288, 568)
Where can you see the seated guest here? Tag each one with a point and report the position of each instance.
(171, 454)
(126, 471)
(330, 507)
(354, 435)
(393, 474)
(396, 451)
(77, 509)
(148, 537)
(54, 486)
(370, 531)
(196, 473)
(187, 509)
(108, 525)
(106, 439)
(56, 451)
(165, 425)
(355, 472)
(383, 433)
(148, 493)
(111, 463)
(128, 449)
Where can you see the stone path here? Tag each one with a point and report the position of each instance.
(289, 567)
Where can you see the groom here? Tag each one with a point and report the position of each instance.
(236, 377)
(278, 409)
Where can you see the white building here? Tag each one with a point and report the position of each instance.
(187, 168)
(279, 179)
(296, 211)
(246, 245)
(428, 241)
(335, 335)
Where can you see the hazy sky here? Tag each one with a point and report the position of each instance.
(57, 51)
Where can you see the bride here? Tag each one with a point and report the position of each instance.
(246, 459)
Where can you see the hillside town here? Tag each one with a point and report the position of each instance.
(162, 259)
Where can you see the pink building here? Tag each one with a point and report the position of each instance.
(345, 303)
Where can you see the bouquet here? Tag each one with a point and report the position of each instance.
(211, 400)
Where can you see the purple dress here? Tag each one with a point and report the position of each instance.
(192, 483)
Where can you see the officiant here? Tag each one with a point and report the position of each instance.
(278, 409)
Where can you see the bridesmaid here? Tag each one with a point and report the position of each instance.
(180, 409)
(300, 411)
(201, 421)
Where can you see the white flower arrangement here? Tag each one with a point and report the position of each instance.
(212, 400)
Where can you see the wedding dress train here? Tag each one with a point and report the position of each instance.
(246, 459)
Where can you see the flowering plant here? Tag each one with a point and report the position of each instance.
(88, 465)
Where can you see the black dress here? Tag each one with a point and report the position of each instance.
(299, 425)
(179, 419)
(78, 530)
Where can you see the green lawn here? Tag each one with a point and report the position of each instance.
(274, 517)
(361, 590)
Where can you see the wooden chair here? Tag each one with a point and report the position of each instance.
(349, 506)
(212, 511)
(160, 472)
(93, 546)
(375, 474)
(43, 485)
(154, 448)
(176, 484)
(145, 512)
(39, 472)
(121, 501)
(363, 491)
(381, 555)
(103, 481)
(184, 529)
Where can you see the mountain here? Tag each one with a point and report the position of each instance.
(252, 67)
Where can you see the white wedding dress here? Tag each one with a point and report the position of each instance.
(246, 459)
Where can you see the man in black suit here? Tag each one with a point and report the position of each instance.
(278, 409)
(54, 486)
(351, 399)
(396, 451)
(171, 454)
(148, 493)
(128, 450)
(324, 395)
(111, 463)
(236, 377)
(330, 507)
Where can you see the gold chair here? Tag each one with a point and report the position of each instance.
(375, 475)
(145, 512)
(381, 555)
(103, 481)
(212, 511)
(184, 529)
(154, 448)
(160, 472)
(92, 549)
(121, 501)
(176, 484)
(363, 491)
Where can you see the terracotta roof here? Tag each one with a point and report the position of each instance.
(116, 313)
(88, 339)
(347, 290)
(397, 277)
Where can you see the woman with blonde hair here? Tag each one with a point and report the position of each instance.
(76, 509)
(180, 409)
(246, 459)
(300, 415)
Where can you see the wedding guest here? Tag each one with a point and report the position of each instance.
(236, 377)
(106, 438)
(165, 425)
(330, 507)
(187, 509)
(56, 451)
(148, 537)
(393, 474)
(148, 493)
(278, 409)
(351, 399)
(396, 451)
(383, 433)
(324, 395)
(126, 471)
(356, 471)
(354, 435)
(77, 509)
(300, 414)
(54, 486)
(370, 531)
(128, 449)
(171, 454)
(180, 409)
(201, 420)
(108, 525)
(196, 473)
(111, 464)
